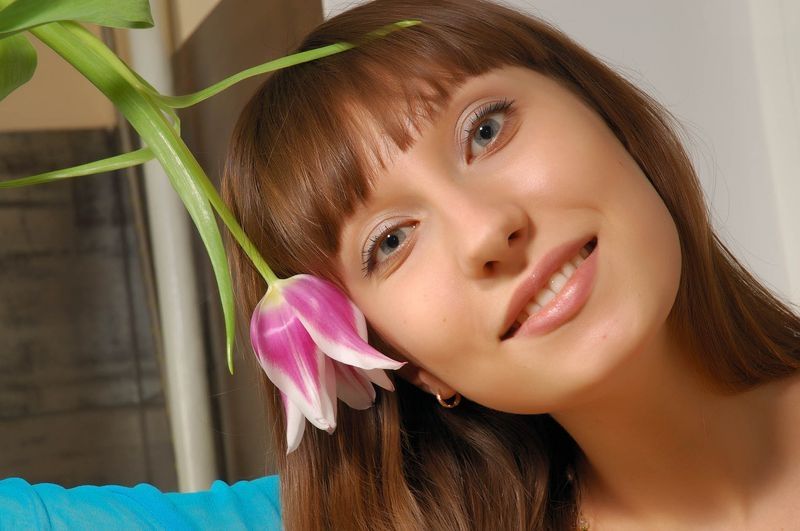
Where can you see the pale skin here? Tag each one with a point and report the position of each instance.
(458, 221)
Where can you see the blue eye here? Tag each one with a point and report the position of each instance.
(486, 132)
(484, 127)
(392, 241)
(381, 247)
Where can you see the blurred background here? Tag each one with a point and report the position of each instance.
(112, 364)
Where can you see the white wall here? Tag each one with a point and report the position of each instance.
(742, 116)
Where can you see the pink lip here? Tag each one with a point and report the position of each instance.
(569, 300)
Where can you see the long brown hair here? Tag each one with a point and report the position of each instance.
(301, 160)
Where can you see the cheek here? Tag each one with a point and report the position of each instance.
(642, 259)
(651, 237)
(561, 169)
(418, 314)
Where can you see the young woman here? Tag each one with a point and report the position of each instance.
(522, 227)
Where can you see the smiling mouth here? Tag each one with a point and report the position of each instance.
(551, 289)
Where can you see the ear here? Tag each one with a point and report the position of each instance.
(425, 380)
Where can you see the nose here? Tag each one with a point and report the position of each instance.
(492, 237)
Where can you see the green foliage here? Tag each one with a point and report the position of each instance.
(22, 15)
(152, 115)
(18, 60)
(117, 162)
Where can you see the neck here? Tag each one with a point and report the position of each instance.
(659, 439)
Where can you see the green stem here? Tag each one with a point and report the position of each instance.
(113, 77)
(236, 230)
(178, 102)
(117, 162)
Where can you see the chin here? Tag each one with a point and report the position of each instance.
(602, 363)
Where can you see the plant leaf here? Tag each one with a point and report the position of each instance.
(117, 162)
(150, 115)
(186, 176)
(18, 60)
(180, 102)
(108, 73)
(25, 14)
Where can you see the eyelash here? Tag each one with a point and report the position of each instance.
(368, 261)
(505, 106)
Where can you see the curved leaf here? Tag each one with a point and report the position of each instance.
(108, 73)
(186, 176)
(180, 102)
(150, 115)
(26, 14)
(18, 60)
(117, 162)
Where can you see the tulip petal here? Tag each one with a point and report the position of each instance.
(291, 360)
(361, 322)
(353, 386)
(295, 424)
(333, 322)
(330, 386)
(379, 378)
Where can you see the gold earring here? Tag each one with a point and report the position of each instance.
(449, 403)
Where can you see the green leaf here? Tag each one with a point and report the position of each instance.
(184, 173)
(26, 14)
(106, 71)
(150, 115)
(180, 102)
(18, 60)
(117, 162)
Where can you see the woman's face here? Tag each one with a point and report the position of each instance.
(464, 258)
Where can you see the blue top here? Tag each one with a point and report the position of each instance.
(243, 505)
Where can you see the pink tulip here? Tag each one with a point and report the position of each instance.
(311, 341)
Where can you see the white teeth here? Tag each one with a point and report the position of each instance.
(557, 282)
(531, 309)
(544, 296)
(553, 286)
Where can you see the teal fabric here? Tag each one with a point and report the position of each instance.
(243, 505)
